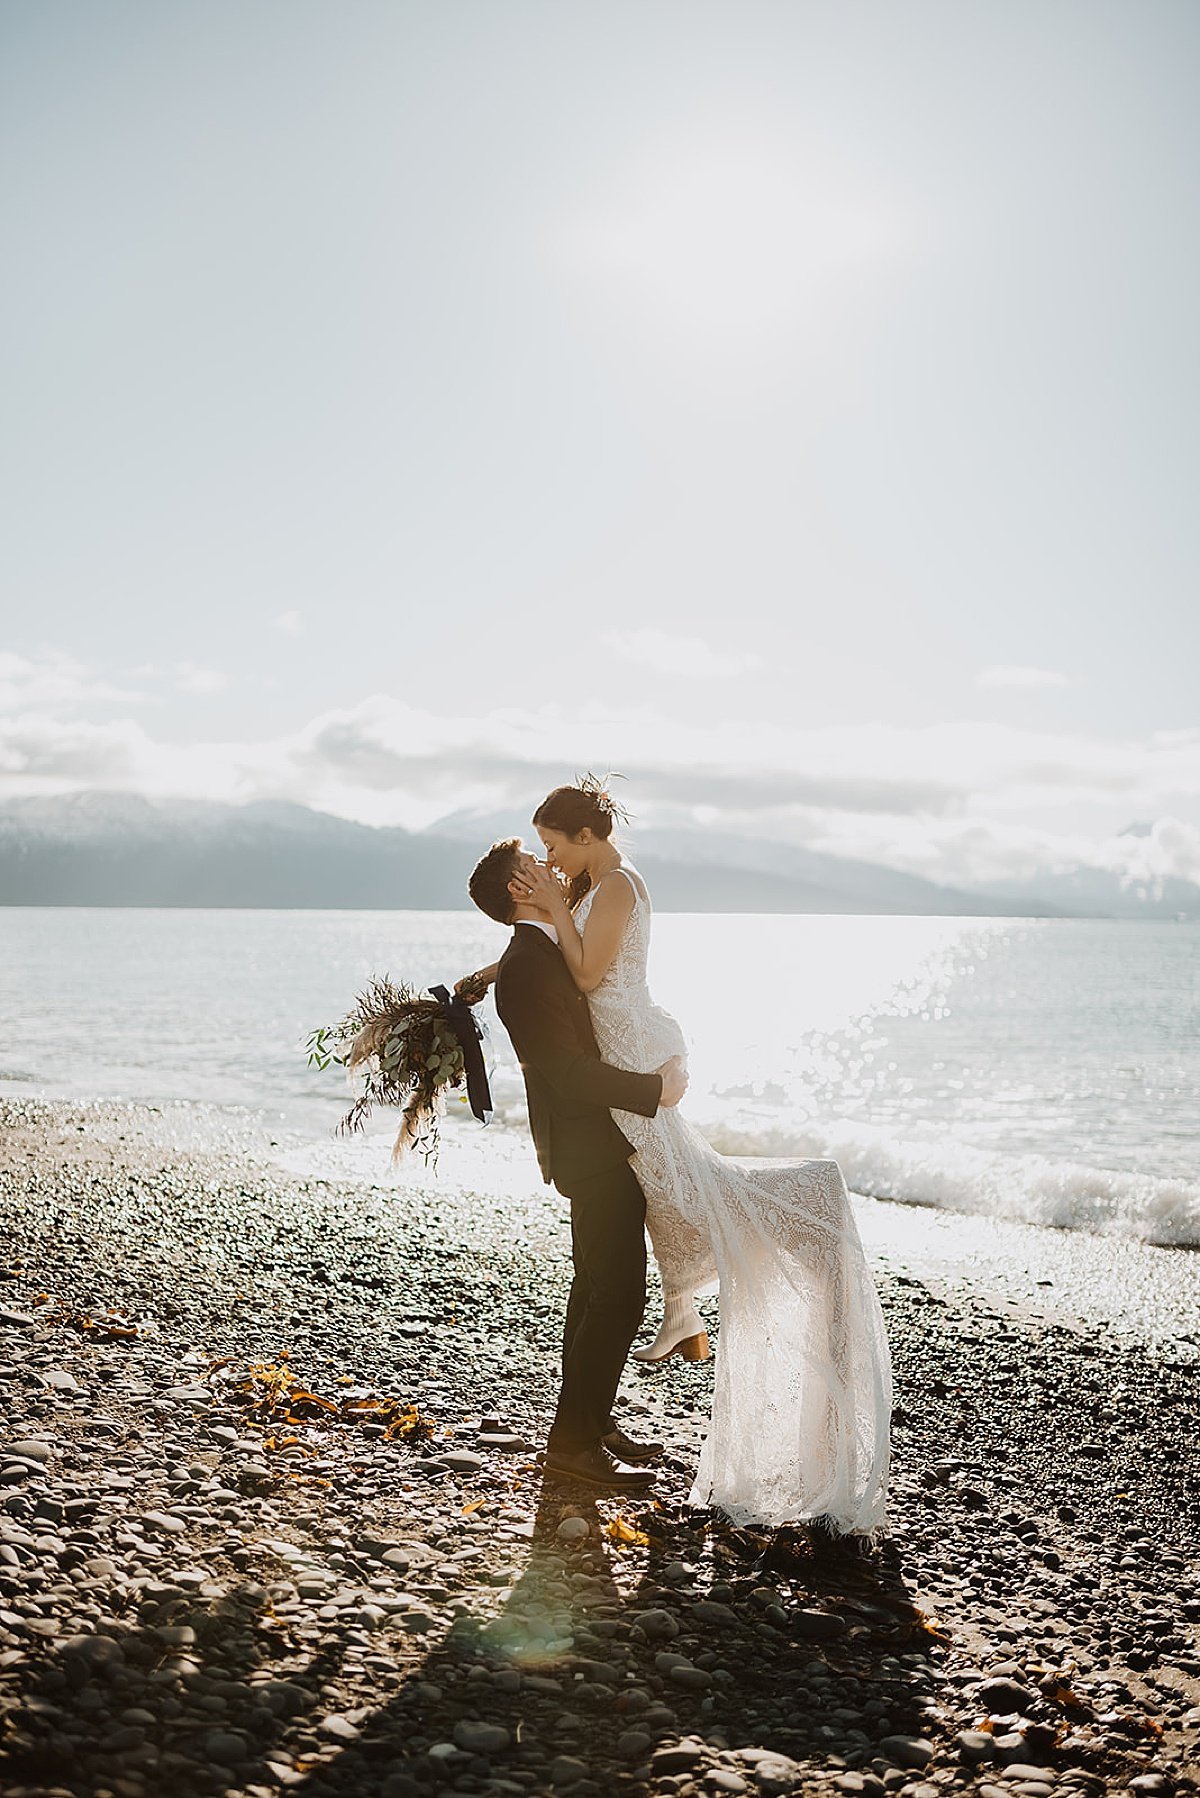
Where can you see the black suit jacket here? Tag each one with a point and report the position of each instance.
(570, 1090)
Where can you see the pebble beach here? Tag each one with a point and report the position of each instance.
(272, 1517)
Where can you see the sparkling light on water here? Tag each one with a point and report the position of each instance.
(1030, 1068)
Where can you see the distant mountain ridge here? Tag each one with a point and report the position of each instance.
(119, 849)
(123, 849)
(705, 870)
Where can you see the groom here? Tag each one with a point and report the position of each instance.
(579, 1147)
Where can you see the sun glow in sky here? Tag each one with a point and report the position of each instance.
(794, 406)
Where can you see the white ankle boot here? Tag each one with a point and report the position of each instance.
(682, 1332)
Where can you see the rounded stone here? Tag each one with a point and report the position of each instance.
(565, 1770)
(633, 1743)
(818, 1626)
(480, 1738)
(696, 1679)
(678, 1757)
(226, 1748)
(708, 1611)
(778, 1774)
(658, 1625)
(907, 1751)
(340, 1729)
(284, 1698)
(97, 1651)
(1002, 1696)
(30, 1450)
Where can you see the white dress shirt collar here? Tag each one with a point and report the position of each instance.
(538, 925)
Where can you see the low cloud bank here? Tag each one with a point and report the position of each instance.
(963, 803)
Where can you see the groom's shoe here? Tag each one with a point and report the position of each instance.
(596, 1467)
(624, 1448)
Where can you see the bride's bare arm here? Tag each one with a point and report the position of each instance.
(588, 954)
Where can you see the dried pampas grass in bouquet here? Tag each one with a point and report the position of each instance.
(409, 1048)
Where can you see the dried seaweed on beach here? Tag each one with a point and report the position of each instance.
(272, 1393)
(101, 1326)
(407, 1053)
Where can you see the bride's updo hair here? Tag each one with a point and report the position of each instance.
(587, 806)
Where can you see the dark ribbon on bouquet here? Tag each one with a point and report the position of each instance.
(457, 1014)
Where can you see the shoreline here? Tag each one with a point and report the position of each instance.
(189, 1607)
(1145, 1288)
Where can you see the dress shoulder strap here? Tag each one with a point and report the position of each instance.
(635, 880)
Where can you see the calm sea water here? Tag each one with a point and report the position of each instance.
(1043, 1070)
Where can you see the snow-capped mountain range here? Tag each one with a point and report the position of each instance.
(98, 848)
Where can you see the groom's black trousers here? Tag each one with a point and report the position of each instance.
(608, 1297)
(572, 1097)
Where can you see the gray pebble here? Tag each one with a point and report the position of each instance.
(480, 1738)
(57, 1379)
(95, 1650)
(679, 1757)
(225, 1747)
(284, 1697)
(340, 1728)
(818, 1626)
(30, 1450)
(907, 1751)
(633, 1743)
(657, 1625)
(1003, 1695)
(777, 1774)
(565, 1770)
(162, 1520)
(695, 1679)
(709, 1612)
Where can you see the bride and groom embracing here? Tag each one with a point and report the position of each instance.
(802, 1390)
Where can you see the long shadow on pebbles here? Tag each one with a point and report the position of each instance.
(603, 1670)
(97, 1698)
(595, 1678)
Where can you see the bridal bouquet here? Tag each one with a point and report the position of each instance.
(410, 1049)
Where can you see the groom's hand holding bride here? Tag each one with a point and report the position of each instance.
(675, 1082)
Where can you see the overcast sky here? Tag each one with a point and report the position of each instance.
(793, 405)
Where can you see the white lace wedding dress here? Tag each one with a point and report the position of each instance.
(802, 1394)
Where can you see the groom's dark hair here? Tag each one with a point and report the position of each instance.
(488, 885)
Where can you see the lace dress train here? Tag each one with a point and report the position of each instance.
(802, 1391)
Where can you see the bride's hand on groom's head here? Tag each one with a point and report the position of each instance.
(541, 886)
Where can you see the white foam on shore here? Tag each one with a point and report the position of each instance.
(936, 1171)
(932, 1171)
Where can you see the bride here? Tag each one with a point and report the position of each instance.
(802, 1393)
